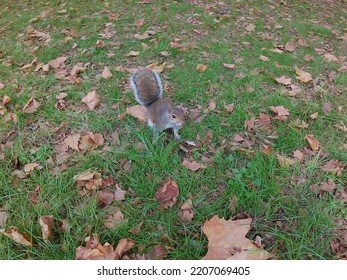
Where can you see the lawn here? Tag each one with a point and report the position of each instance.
(263, 85)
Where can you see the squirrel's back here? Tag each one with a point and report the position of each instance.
(147, 86)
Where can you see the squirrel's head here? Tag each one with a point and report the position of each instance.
(176, 116)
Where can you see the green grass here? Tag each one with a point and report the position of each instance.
(293, 221)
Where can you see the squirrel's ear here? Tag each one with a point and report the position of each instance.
(169, 108)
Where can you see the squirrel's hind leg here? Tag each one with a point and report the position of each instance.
(155, 134)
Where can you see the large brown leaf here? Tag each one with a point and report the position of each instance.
(227, 240)
(17, 236)
(167, 194)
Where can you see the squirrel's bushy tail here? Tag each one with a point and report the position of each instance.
(147, 87)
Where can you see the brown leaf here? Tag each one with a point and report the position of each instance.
(132, 53)
(250, 27)
(226, 240)
(124, 245)
(193, 165)
(229, 66)
(58, 62)
(201, 67)
(2, 86)
(78, 68)
(303, 76)
(333, 166)
(105, 197)
(229, 107)
(139, 22)
(30, 167)
(330, 57)
(313, 142)
(299, 155)
(167, 194)
(285, 161)
(17, 236)
(91, 141)
(281, 111)
(264, 58)
(314, 116)
(290, 47)
(115, 219)
(72, 141)
(119, 194)
(186, 213)
(327, 107)
(91, 99)
(31, 107)
(135, 230)
(283, 80)
(106, 74)
(302, 43)
(157, 68)
(138, 112)
(95, 251)
(299, 123)
(46, 223)
(341, 126)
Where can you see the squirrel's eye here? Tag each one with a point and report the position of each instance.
(174, 116)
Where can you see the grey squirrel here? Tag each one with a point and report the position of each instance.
(161, 114)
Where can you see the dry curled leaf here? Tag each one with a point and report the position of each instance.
(106, 74)
(283, 80)
(31, 107)
(17, 236)
(201, 67)
(229, 66)
(285, 161)
(91, 99)
(303, 76)
(167, 194)
(193, 165)
(186, 213)
(227, 240)
(313, 142)
(229, 107)
(138, 112)
(46, 223)
(114, 219)
(333, 166)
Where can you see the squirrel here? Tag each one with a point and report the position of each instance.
(161, 114)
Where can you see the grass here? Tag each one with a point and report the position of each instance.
(293, 221)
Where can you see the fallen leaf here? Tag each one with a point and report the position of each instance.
(72, 141)
(138, 112)
(139, 22)
(250, 27)
(290, 47)
(46, 223)
(186, 213)
(106, 74)
(314, 116)
(132, 53)
(119, 194)
(313, 142)
(285, 161)
(18, 237)
(333, 166)
(58, 62)
(302, 43)
(2, 86)
(105, 197)
(135, 230)
(193, 165)
(303, 76)
(78, 68)
(31, 107)
(330, 57)
(300, 123)
(229, 107)
(328, 187)
(114, 220)
(299, 155)
(281, 111)
(90, 141)
(341, 126)
(157, 68)
(229, 66)
(124, 245)
(327, 107)
(201, 67)
(30, 167)
(308, 57)
(167, 194)
(264, 58)
(283, 80)
(91, 99)
(227, 240)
